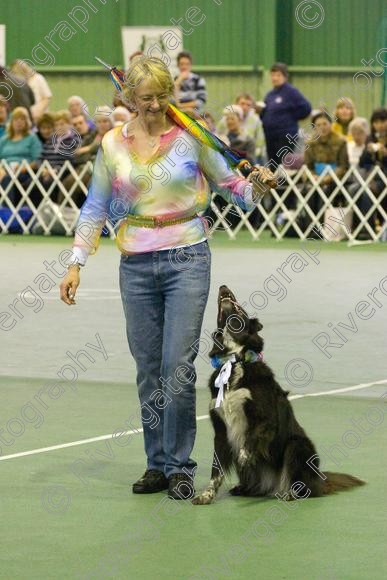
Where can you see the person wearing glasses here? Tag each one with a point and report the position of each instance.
(154, 176)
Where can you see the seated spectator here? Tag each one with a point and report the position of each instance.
(82, 155)
(345, 112)
(251, 124)
(375, 155)
(358, 131)
(46, 134)
(190, 88)
(17, 145)
(49, 153)
(378, 125)
(37, 84)
(65, 138)
(77, 106)
(121, 115)
(104, 122)
(328, 150)
(85, 137)
(375, 152)
(238, 140)
(3, 115)
(236, 136)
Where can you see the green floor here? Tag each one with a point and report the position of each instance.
(70, 520)
(220, 238)
(69, 513)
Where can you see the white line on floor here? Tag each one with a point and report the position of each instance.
(200, 418)
(343, 390)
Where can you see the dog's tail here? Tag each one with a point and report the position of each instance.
(339, 482)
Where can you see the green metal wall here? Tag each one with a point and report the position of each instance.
(234, 32)
(351, 31)
(229, 34)
(28, 22)
(249, 33)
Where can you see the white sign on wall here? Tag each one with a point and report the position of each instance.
(2, 44)
(161, 41)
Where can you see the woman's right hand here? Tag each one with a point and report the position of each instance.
(69, 285)
(262, 179)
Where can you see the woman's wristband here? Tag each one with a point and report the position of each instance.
(76, 264)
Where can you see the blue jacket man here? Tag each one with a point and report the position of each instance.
(284, 107)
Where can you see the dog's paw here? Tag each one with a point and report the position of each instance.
(204, 499)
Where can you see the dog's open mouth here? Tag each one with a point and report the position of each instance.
(228, 304)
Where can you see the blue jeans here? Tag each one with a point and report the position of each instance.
(164, 295)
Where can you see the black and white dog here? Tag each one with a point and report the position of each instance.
(256, 431)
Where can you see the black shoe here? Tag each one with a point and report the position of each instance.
(180, 486)
(151, 482)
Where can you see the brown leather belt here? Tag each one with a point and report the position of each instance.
(144, 221)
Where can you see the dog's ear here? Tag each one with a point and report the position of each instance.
(254, 325)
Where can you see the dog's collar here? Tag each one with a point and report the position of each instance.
(225, 366)
(250, 356)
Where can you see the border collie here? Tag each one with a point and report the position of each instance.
(256, 431)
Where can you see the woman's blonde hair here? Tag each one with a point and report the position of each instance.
(144, 67)
(17, 113)
(345, 102)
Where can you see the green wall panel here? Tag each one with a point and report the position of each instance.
(234, 33)
(352, 30)
(249, 32)
(29, 22)
(229, 33)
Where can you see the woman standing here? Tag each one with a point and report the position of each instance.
(155, 174)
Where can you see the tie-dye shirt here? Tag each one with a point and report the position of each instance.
(174, 183)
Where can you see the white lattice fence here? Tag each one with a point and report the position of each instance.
(57, 211)
(296, 192)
